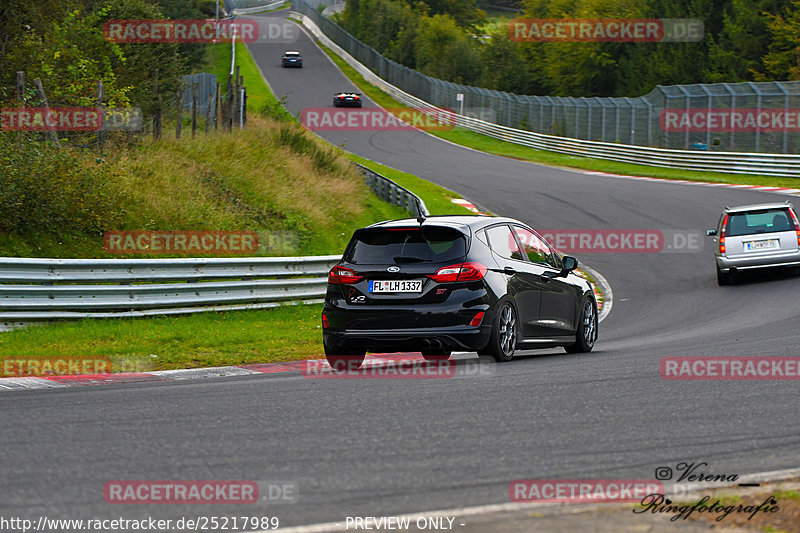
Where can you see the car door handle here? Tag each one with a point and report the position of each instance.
(507, 270)
(544, 278)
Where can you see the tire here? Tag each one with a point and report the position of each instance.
(723, 278)
(503, 340)
(586, 334)
(344, 360)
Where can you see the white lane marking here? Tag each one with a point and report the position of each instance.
(461, 512)
(28, 383)
(213, 372)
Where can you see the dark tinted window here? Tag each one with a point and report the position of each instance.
(429, 244)
(503, 243)
(763, 221)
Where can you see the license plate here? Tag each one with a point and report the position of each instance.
(403, 285)
(753, 246)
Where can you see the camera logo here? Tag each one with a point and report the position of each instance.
(663, 473)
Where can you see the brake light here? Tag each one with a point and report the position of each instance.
(343, 276)
(476, 321)
(722, 234)
(324, 321)
(796, 225)
(459, 272)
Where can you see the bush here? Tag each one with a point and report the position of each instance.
(47, 191)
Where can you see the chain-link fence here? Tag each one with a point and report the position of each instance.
(734, 117)
(206, 93)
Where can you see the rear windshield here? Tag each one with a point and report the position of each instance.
(763, 221)
(426, 244)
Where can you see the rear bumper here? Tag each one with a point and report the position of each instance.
(464, 338)
(751, 262)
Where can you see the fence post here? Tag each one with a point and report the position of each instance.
(244, 106)
(157, 110)
(195, 86)
(53, 135)
(20, 98)
(208, 110)
(20, 88)
(228, 105)
(217, 108)
(180, 112)
(100, 114)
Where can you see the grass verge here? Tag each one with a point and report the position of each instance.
(437, 199)
(162, 343)
(494, 146)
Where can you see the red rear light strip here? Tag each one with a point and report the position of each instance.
(796, 225)
(722, 235)
(460, 272)
(340, 275)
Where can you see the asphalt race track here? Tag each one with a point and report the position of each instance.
(385, 447)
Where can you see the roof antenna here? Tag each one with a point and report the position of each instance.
(420, 214)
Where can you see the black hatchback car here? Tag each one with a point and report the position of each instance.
(471, 283)
(292, 58)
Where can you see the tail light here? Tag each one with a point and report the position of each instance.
(476, 321)
(340, 275)
(324, 321)
(459, 272)
(722, 234)
(796, 226)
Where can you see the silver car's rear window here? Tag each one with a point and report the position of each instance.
(763, 221)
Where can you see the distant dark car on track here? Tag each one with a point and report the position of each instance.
(347, 100)
(444, 283)
(292, 58)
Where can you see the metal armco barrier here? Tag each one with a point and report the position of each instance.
(393, 193)
(49, 289)
(730, 162)
(34, 289)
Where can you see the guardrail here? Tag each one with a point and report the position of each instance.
(34, 289)
(731, 162)
(393, 193)
(49, 289)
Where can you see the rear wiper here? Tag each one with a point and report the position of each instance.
(410, 259)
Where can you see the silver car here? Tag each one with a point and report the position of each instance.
(756, 236)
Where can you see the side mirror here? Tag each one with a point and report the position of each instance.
(711, 233)
(568, 263)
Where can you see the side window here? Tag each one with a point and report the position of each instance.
(535, 248)
(503, 243)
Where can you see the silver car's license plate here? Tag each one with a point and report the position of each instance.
(388, 286)
(754, 246)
